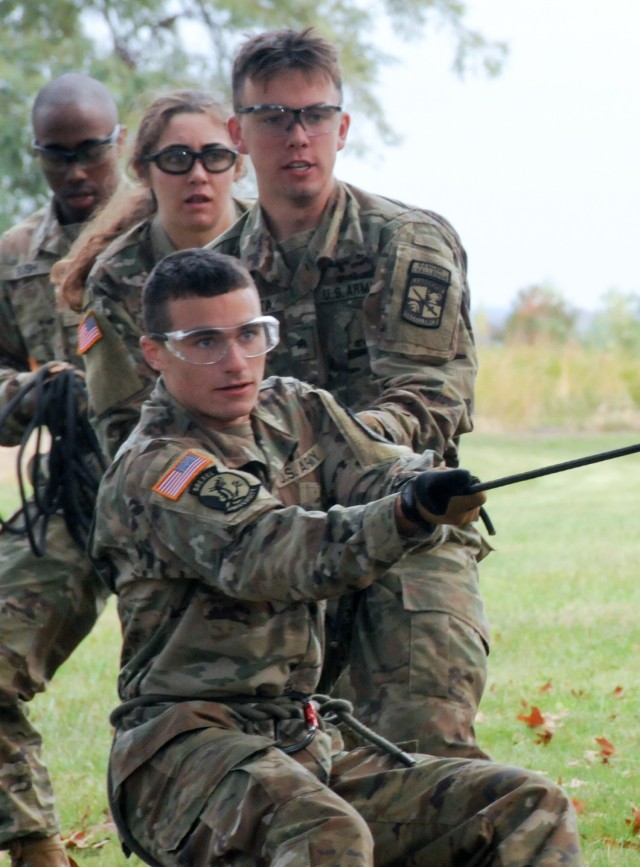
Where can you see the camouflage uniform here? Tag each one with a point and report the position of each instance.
(374, 307)
(47, 604)
(221, 579)
(118, 380)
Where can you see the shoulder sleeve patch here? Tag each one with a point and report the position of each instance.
(177, 478)
(224, 490)
(89, 332)
(425, 294)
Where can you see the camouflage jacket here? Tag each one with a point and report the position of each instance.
(377, 311)
(32, 330)
(222, 546)
(118, 380)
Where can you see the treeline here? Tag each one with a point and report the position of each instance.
(550, 366)
(142, 47)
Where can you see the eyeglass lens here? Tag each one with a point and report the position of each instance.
(58, 159)
(210, 346)
(179, 160)
(279, 120)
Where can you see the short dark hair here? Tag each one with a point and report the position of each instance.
(274, 52)
(74, 88)
(193, 273)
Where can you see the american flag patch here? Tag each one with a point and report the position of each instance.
(176, 479)
(88, 333)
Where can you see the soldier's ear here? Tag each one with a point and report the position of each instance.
(152, 352)
(235, 131)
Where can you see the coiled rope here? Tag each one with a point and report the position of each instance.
(67, 463)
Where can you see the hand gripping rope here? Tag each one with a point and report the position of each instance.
(67, 462)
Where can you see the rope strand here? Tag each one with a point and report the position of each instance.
(64, 476)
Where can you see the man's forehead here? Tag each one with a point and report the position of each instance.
(229, 309)
(74, 124)
(286, 83)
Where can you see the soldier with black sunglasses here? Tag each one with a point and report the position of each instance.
(48, 604)
(186, 168)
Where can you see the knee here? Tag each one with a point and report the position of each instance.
(325, 826)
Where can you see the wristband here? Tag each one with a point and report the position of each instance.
(409, 508)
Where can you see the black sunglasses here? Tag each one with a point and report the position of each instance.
(178, 160)
(92, 153)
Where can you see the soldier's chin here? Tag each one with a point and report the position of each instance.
(82, 205)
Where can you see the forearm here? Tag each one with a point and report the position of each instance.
(314, 556)
(424, 407)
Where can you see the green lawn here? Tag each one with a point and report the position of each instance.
(563, 594)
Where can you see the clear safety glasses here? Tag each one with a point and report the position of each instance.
(210, 345)
(279, 120)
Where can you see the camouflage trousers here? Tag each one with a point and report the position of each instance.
(47, 606)
(216, 797)
(417, 650)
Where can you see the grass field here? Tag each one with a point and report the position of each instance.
(563, 594)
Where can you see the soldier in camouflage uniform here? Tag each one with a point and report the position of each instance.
(184, 161)
(228, 517)
(373, 304)
(47, 604)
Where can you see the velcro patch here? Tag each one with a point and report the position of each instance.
(89, 332)
(224, 490)
(425, 294)
(177, 477)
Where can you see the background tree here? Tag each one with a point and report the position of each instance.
(615, 325)
(141, 46)
(539, 314)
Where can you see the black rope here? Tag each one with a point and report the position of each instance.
(343, 711)
(554, 468)
(66, 466)
(256, 709)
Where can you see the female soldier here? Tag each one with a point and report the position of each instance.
(185, 166)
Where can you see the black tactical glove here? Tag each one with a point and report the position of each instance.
(440, 497)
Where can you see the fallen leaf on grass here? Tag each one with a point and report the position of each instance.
(574, 783)
(534, 719)
(618, 691)
(578, 806)
(607, 749)
(634, 822)
(90, 836)
(621, 844)
(543, 723)
(546, 687)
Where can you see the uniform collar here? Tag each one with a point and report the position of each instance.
(51, 236)
(271, 444)
(336, 236)
(161, 243)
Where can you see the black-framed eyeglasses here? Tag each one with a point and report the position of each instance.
(179, 160)
(89, 154)
(279, 120)
(210, 345)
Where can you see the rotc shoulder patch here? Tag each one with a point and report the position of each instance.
(89, 332)
(426, 293)
(224, 490)
(177, 477)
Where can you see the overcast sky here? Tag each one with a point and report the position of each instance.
(537, 169)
